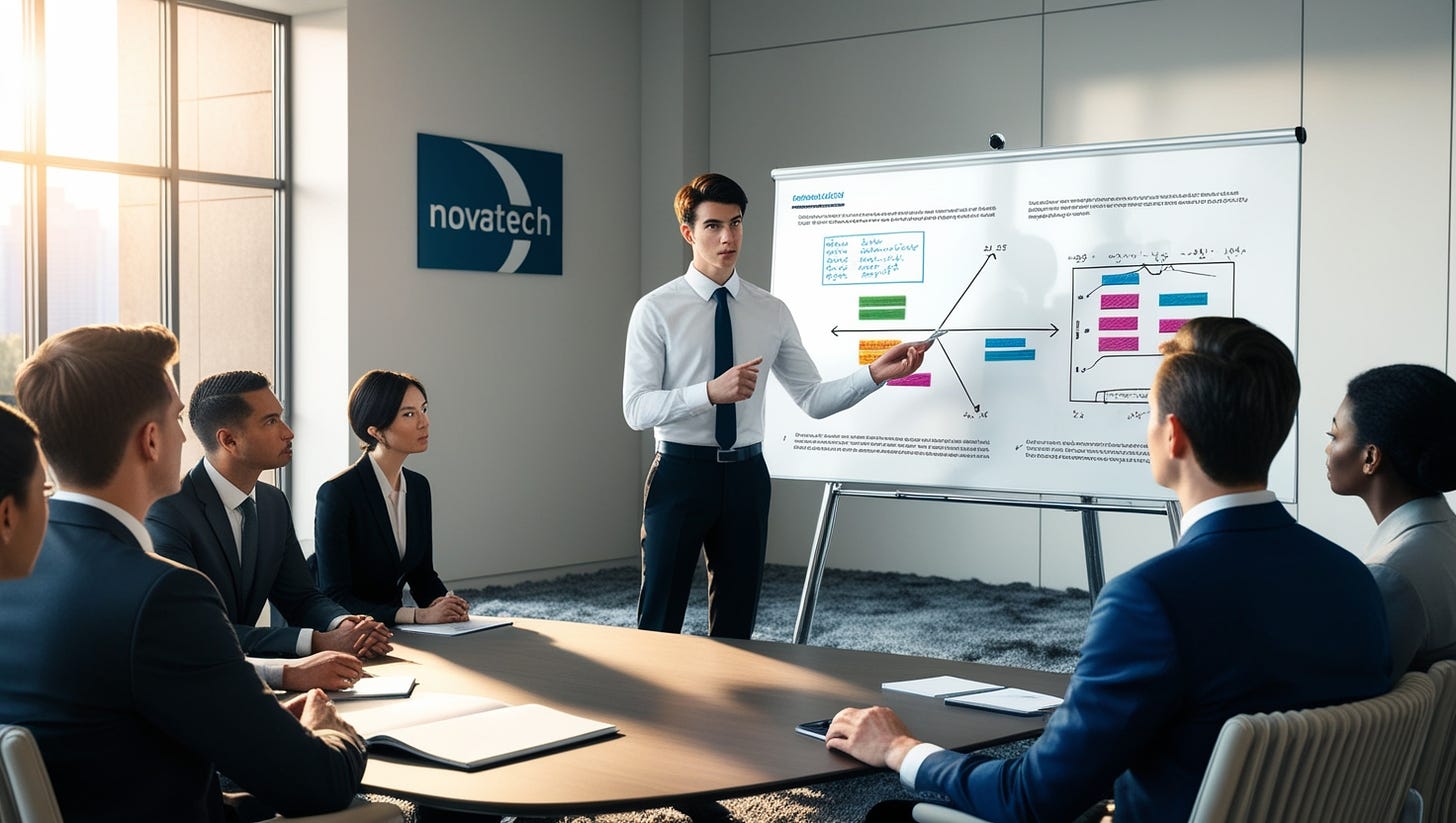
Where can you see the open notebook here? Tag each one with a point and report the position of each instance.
(467, 731)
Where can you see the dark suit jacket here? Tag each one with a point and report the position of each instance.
(358, 560)
(1251, 612)
(192, 528)
(125, 668)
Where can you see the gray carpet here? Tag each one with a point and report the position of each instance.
(1011, 625)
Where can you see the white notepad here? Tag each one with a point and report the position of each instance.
(1012, 701)
(473, 624)
(943, 686)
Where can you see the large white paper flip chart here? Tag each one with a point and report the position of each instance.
(1056, 273)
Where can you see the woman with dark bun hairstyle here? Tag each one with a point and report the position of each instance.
(373, 528)
(23, 492)
(1393, 445)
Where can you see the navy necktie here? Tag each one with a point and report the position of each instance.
(249, 545)
(727, 427)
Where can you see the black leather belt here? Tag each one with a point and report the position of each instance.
(710, 453)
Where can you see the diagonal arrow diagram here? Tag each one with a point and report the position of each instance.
(1050, 328)
(984, 263)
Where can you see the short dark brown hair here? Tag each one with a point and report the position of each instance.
(1235, 388)
(374, 402)
(707, 188)
(88, 389)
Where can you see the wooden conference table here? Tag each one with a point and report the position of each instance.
(700, 718)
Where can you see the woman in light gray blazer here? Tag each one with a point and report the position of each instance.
(1393, 445)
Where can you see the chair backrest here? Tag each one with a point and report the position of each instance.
(1352, 762)
(1436, 773)
(25, 788)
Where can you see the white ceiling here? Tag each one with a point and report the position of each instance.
(295, 7)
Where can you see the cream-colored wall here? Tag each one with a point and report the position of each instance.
(818, 81)
(530, 464)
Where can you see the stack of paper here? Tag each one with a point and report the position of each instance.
(473, 624)
(942, 686)
(1012, 701)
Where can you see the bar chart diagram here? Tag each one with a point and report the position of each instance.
(1121, 314)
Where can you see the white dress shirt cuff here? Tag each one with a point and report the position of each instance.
(404, 615)
(867, 382)
(910, 766)
(270, 669)
(334, 624)
(697, 396)
(304, 646)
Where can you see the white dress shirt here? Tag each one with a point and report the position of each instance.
(670, 341)
(394, 505)
(393, 502)
(1224, 501)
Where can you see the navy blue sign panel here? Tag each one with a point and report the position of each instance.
(484, 207)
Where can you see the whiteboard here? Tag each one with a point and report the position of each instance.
(1056, 273)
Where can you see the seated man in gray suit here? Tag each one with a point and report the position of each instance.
(239, 532)
(123, 664)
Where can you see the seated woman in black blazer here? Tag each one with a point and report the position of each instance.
(372, 528)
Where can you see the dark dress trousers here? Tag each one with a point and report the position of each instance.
(358, 559)
(192, 528)
(1250, 612)
(127, 671)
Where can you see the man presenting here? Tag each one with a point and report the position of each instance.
(121, 663)
(1249, 612)
(695, 348)
(239, 532)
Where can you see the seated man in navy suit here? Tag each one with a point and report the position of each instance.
(207, 526)
(1249, 612)
(123, 664)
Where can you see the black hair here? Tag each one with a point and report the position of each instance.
(374, 402)
(218, 403)
(19, 453)
(1407, 410)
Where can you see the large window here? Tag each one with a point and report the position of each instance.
(142, 177)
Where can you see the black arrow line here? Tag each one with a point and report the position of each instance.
(1102, 357)
(989, 258)
(1050, 327)
(974, 406)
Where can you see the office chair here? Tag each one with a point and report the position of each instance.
(1436, 772)
(1351, 763)
(936, 813)
(25, 788)
(26, 795)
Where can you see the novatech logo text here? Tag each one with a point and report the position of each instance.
(485, 207)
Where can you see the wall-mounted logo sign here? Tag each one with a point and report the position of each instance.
(484, 207)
